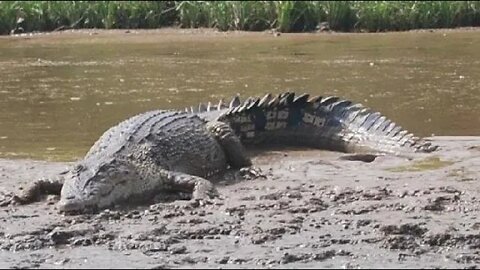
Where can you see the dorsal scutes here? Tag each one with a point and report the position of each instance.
(264, 101)
(244, 105)
(253, 104)
(301, 100)
(340, 107)
(235, 102)
(202, 107)
(328, 101)
(209, 106)
(286, 99)
(314, 102)
(273, 102)
(334, 123)
(221, 105)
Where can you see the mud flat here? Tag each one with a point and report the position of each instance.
(314, 209)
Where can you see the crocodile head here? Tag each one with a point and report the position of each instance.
(88, 188)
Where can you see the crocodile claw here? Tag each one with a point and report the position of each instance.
(251, 173)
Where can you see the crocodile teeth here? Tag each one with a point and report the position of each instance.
(192, 109)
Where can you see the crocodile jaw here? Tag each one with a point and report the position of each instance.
(71, 205)
(74, 200)
(85, 191)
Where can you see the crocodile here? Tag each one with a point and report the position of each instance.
(180, 149)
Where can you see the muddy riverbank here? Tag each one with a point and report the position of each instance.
(312, 210)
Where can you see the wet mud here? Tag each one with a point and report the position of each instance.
(313, 209)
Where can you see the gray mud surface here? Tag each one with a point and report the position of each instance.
(314, 209)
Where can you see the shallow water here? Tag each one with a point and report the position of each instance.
(60, 92)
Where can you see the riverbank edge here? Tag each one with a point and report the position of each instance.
(313, 210)
(216, 32)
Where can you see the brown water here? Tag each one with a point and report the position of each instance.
(60, 92)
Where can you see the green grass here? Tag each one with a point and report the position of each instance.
(404, 15)
(284, 16)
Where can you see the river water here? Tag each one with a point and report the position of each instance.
(60, 92)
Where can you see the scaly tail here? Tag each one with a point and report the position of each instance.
(321, 122)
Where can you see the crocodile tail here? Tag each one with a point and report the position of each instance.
(321, 122)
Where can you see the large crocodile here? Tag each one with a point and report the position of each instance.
(179, 150)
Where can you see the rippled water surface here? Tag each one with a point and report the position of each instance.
(60, 92)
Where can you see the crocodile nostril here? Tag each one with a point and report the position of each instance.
(70, 197)
(68, 206)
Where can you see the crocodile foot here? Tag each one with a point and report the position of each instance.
(359, 157)
(251, 173)
(37, 190)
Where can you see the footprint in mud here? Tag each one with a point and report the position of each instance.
(359, 157)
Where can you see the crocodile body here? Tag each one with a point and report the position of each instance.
(153, 151)
(162, 150)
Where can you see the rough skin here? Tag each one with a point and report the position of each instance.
(173, 150)
(153, 151)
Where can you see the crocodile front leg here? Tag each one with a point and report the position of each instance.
(200, 188)
(235, 152)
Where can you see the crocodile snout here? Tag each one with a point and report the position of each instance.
(70, 204)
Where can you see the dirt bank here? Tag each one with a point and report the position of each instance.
(199, 34)
(313, 210)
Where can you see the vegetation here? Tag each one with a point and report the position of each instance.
(285, 16)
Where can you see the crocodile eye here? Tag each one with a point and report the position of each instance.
(78, 168)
